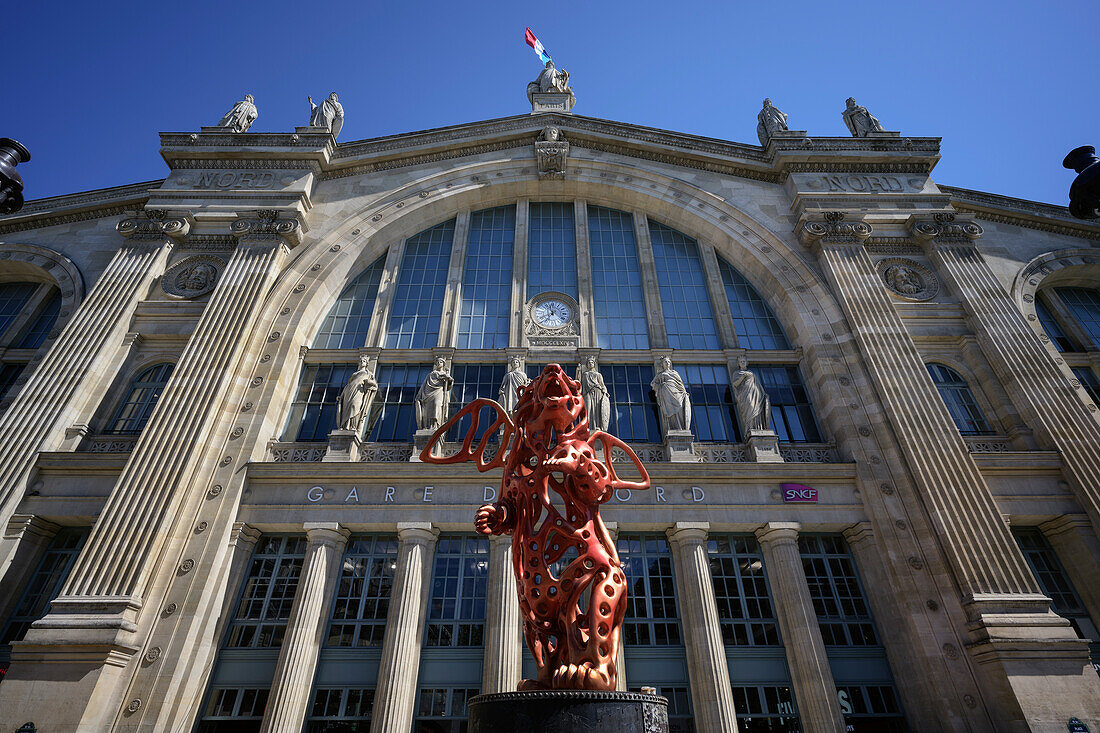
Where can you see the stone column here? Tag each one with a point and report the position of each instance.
(711, 693)
(30, 537)
(292, 688)
(811, 676)
(395, 696)
(658, 335)
(584, 275)
(620, 657)
(1074, 541)
(87, 348)
(503, 664)
(519, 275)
(242, 542)
(1038, 384)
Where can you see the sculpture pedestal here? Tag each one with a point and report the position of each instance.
(568, 711)
(420, 442)
(343, 446)
(679, 446)
(552, 102)
(764, 446)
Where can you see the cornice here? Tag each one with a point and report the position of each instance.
(1020, 212)
(75, 207)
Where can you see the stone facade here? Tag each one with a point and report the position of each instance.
(872, 269)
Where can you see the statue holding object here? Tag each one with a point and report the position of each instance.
(572, 616)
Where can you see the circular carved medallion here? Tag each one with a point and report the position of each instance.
(192, 277)
(908, 278)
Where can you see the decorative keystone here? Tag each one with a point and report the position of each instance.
(944, 227)
(832, 227)
(551, 152)
(154, 224)
(265, 224)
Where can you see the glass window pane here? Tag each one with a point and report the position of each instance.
(1088, 380)
(619, 301)
(363, 592)
(652, 617)
(267, 593)
(959, 401)
(713, 411)
(392, 418)
(313, 412)
(42, 324)
(471, 382)
(1084, 304)
(1051, 326)
(13, 298)
(135, 411)
(418, 301)
(551, 249)
(8, 374)
(689, 318)
(754, 322)
(347, 322)
(45, 584)
(634, 416)
(745, 611)
(483, 315)
(835, 590)
(456, 611)
(792, 414)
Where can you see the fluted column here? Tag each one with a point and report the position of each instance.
(1035, 383)
(292, 688)
(503, 664)
(711, 694)
(86, 349)
(620, 656)
(811, 676)
(395, 696)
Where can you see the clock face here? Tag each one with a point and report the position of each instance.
(552, 314)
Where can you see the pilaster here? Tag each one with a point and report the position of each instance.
(452, 295)
(584, 274)
(292, 687)
(519, 274)
(811, 676)
(503, 664)
(717, 291)
(711, 693)
(395, 697)
(387, 287)
(658, 335)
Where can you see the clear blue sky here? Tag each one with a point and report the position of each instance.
(1009, 86)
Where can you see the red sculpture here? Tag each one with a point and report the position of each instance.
(571, 620)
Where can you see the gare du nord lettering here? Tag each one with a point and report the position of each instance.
(379, 494)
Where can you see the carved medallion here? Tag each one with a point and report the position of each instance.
(552, 319)
(551, 152)
(192, 277)
(908, 278)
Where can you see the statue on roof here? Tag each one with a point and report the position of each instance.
(241, 117)
(329, 114)
(770, 121)
(551, 80)
(860, 122)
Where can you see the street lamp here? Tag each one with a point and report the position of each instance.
(1084, 192)
(12, 153)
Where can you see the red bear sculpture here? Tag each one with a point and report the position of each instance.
(572, 614)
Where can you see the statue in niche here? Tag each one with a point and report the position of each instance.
(860, 122)
(595, 394)
(550, 79)
(903, 280)
(754, 407)
(356, 399)
(515, 380)
(672, 397)
(197, 279)
(432, 397)
(329, 114)
(241, 117)
(770, 121)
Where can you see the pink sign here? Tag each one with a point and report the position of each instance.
(798, 493)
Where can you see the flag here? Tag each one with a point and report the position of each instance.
(536, 44)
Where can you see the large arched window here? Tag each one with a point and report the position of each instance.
(487, 280)
(689, 317)
(421, 281)
(959, 400)
(754, 322)
(551, 249)
(616, 281)
(134, 412)
(347, 323)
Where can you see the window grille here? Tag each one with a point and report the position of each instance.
(551, 249)
(456, 614)
(652, 618)
(689, 317)
(745, 611)
(754, 322)
(959, 401)
(363, 592)
(618, 299)
(268, 592)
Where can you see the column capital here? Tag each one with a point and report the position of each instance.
(859, 533)
(244, 535)
(832, 227)
(155, 225)
(326, 533)
(266, 225)
(683, 533)
(774, 533)
(421, 533)
(944, 226)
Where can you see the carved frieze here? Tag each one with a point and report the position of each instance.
(908, 278)
(193, 277)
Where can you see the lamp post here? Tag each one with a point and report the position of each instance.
(12, 153)
(1084, 192)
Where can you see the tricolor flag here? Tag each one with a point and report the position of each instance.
(536, 44)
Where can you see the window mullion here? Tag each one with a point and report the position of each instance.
(452, 295)
(717, 291)
(519, 274)
(658, 335)
(584, 274)
(376, 334)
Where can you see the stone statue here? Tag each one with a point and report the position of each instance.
(513, 381)
(904, 280)
(860, 122)
(770, 120)
(672, 397)
(551, 80)
(241, 117)
(754, 407)
(595, 395)
(329, 114)
(432, 397)
(356, 399)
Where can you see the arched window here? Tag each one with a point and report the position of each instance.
(346, 325)
(616, 281)
(959, 400)
(138, 406)
(487, 280)
(551, 250)
(421, 281)
(689, 317)
(753, 320)
(1084, 305)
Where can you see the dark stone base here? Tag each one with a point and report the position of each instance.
(568, 711)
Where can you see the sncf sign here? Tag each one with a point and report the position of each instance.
(798, 494)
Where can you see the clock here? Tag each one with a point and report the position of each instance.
(552, 313)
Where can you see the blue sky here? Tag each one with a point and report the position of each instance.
(1009, 86)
